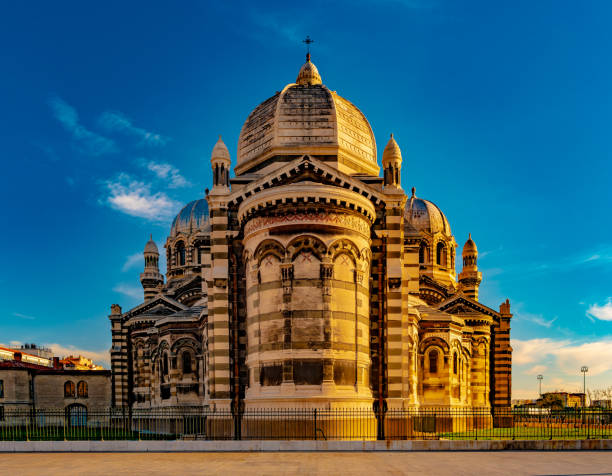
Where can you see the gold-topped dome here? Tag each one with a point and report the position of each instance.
(306, 118)
(309, 74)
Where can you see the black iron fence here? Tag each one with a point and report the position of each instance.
(78, 423)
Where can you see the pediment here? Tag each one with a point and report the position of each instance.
(158, 306)
(190, 290)
(308, 169)
(461, 304)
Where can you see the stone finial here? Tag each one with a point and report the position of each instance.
(115, 309)
(413, 192)
(504, 307)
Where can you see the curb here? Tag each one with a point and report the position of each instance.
(298, 445)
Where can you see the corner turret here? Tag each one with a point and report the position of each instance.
(220, 161)
(392, 164)
(470, 278)
(151, 278)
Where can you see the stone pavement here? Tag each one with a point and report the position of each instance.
(439, 463)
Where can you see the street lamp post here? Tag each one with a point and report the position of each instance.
(584, 369)
(540, 377)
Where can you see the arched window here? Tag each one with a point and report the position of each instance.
(440, 254)
(180, 254)
(187, 367)
(433, 362)
(69, 389)
(165, 365)
(82, 389)
(423, 253)
(455, 363)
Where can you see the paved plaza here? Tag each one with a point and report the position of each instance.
(439, 463)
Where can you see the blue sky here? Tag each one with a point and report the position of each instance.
(502, 111)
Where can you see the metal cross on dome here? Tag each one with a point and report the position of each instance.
(308, 42)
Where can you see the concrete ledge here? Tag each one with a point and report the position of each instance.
(294, 445)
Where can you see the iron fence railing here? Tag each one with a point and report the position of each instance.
(78, 423)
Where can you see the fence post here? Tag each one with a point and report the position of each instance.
(550, 423)
(315, 423)
(586, 415)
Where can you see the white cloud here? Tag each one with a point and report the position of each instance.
(567, 355)
(128, 290)
(536, 319)
(536, 369)
(100, 357)
(603, 312)
(85, 140)
(135, 198)
(168, 172)
(23, 316)
(133, 261)
(114, 121)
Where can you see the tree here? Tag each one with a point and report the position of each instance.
(551, 400)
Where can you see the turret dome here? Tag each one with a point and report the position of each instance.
(193, 217)
(392, 151)
(306, 118)
(425, 216)
(470, 247)
(151, 247)
(220, 151)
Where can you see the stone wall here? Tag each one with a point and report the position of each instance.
(49, 389)
(16, 383)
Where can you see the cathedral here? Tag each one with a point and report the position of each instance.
(308, 280)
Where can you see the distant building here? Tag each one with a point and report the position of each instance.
(572, 400)
(28, 381)
(523, 402)
(37, 350)
(79, 363)
(24, 355)
(607, 403)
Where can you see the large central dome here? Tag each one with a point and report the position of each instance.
(307, 118)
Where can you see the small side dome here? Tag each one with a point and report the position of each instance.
(470, 247)
(392, 152)
(220, 151)
(425, 216)
(309, 74)
(151, 247)
(193, 217)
